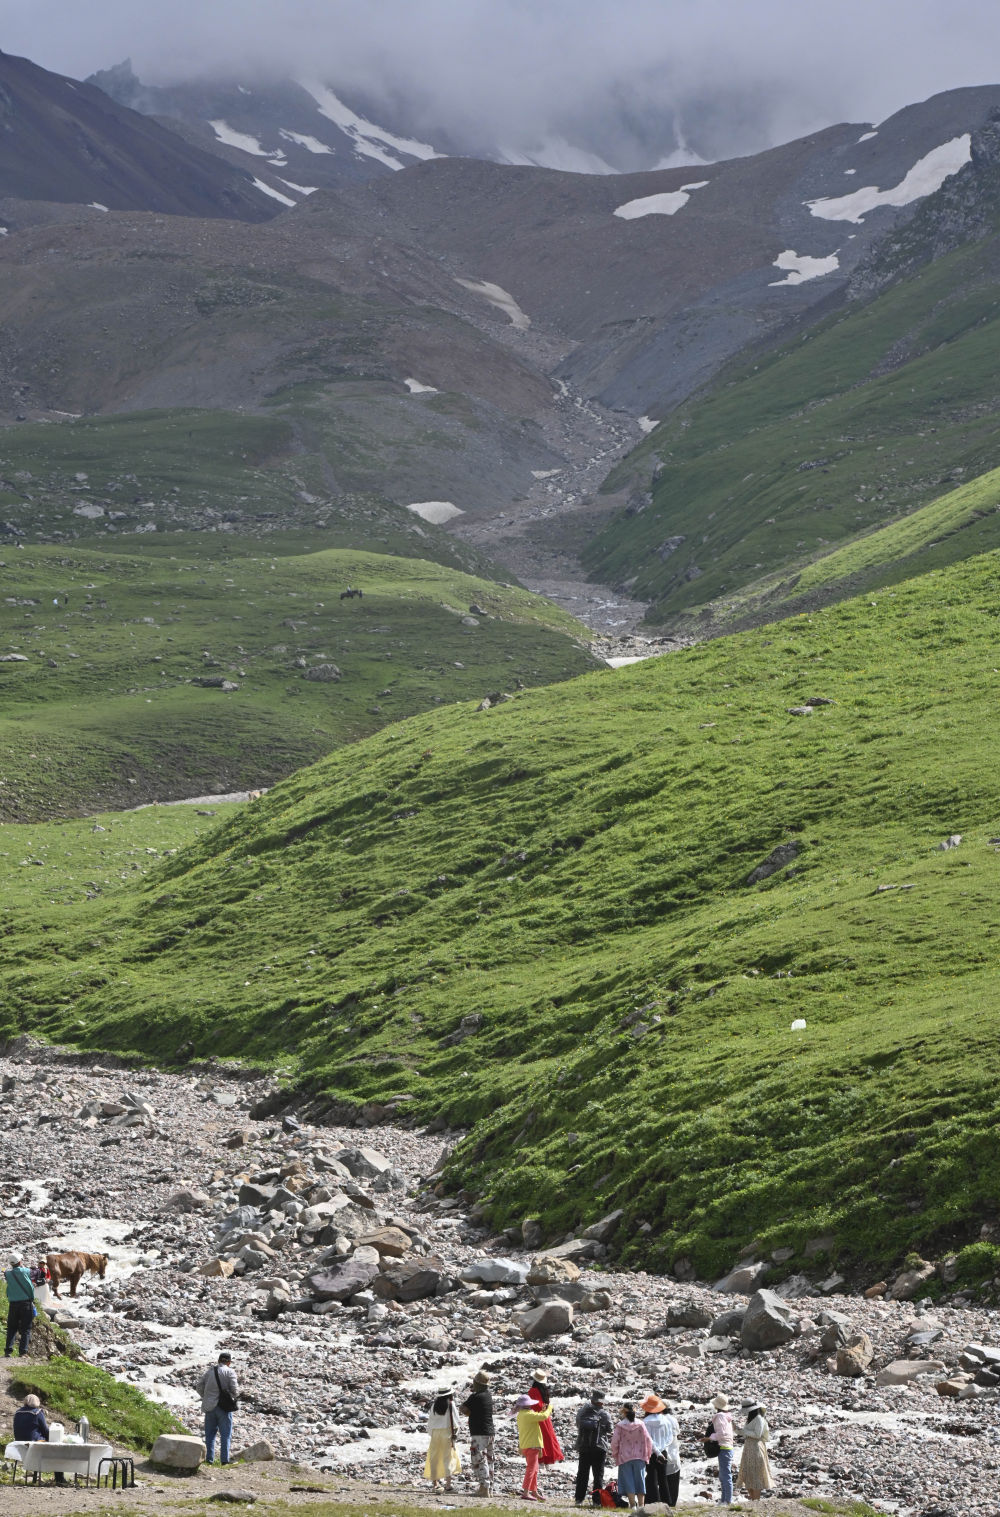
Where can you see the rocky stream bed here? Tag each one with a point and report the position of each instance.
(348, 1290)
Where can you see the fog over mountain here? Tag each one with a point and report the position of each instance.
(632, 81)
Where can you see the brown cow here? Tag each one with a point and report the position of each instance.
(72, 1267)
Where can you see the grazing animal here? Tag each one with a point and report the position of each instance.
(349, 594)
(72, 1267)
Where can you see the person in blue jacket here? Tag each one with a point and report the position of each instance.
(20, 1306)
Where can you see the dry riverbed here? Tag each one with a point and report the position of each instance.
(151, 1167)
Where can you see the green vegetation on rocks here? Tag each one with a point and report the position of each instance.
(569, 872)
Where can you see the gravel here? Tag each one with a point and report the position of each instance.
(346, 1388)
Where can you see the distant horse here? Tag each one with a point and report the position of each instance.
(349, 594)
(72, 1267)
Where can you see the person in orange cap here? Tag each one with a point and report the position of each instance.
(663, 1469)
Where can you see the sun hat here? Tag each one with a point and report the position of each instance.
(480, 1378)
(652, 1403)
(522, 1404)
(751, 1406)
(541, 1376)
(721, 1403)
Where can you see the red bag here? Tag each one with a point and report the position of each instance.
(609, 1495)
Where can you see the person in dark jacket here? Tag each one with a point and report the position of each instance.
(20, 1306)
(478, 1407)
(30, 1426)
(593, 1442)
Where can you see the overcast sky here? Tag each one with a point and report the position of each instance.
(526, 66)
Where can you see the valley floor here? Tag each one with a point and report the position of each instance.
(343, 1392)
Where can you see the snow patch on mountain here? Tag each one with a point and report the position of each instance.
(666, 204)
(303, 139)
(500, 298)
(436, 511)
(927, 175)
(801, 267)
(647, 424)
(244, 142)
(369, 140)
(266, 189)
(301, 189)
(416, 388)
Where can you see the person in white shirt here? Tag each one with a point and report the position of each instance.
(663, 1471)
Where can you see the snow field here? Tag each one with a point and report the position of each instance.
(666, 204)
(801, 267)
(927, 175)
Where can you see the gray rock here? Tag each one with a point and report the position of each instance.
(603, 1230)
(189, 1200)
(906, 1284)
(409, 1280)
(768, 1323)
(954, 841)
(595, 1301)
(795, 1288)
(548, 1320)
(177, 1451)
(257, 1453)
(324, 673)
(780, 856)
(686, 1314)
(496, 1272)
(727, 1324)
(364, 1163)
(239, 1220)
(903, 1371)
(339, 1282)
(531, 1232)
(576, 1249)
(743, 1280)
(258, 1196)
(855, 1356)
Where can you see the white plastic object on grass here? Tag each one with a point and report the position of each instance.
(799, 1025)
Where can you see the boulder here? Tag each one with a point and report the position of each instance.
(339, 1282)
(326, 673)
(768, 1323)
(855, 1356)
(727, 1324)
(576, 1248)
(389, 1242)
(257, 1453)
(408, 1280)
(906, 1284)
(234, 1497)
(904, 1371)
(496, 1272)
(596, 1301)
(216, 1269)
(177, 1451)
(547, 1320)
(548, 1269)
(239, 1220)
(189, 1200)
(743, 1280)
(795, 1288)
(686, 1314)
(260, 1197)
(531, 1232)
(364, 1163)
(603, 1230)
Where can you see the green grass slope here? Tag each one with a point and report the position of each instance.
(104, 659)
(858, 421)
(185, 471)
(570, 871)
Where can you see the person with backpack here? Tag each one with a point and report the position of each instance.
(442, 1456)
(219, 1392)
(20, 1306)
(631, 1447)
(663, 1472)
(719, 1441)
(530, 1422)
(593, 1444)
(478, 1407)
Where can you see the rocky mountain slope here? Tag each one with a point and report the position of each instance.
(527, 919)
(862, 420)
(65, 141)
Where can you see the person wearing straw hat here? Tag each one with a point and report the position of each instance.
(663, 1469)
(722, 1432)
(530, 1423)
(478, 1407)
(755, 1471)
(442, 1456)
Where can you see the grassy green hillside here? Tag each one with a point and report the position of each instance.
(571, 871)
(107, 663)
(174, 471)
(880, 409)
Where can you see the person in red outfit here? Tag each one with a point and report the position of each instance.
(540, 1397)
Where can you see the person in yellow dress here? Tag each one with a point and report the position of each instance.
(442, 1460)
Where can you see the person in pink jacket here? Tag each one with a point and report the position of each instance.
(631, 1449)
